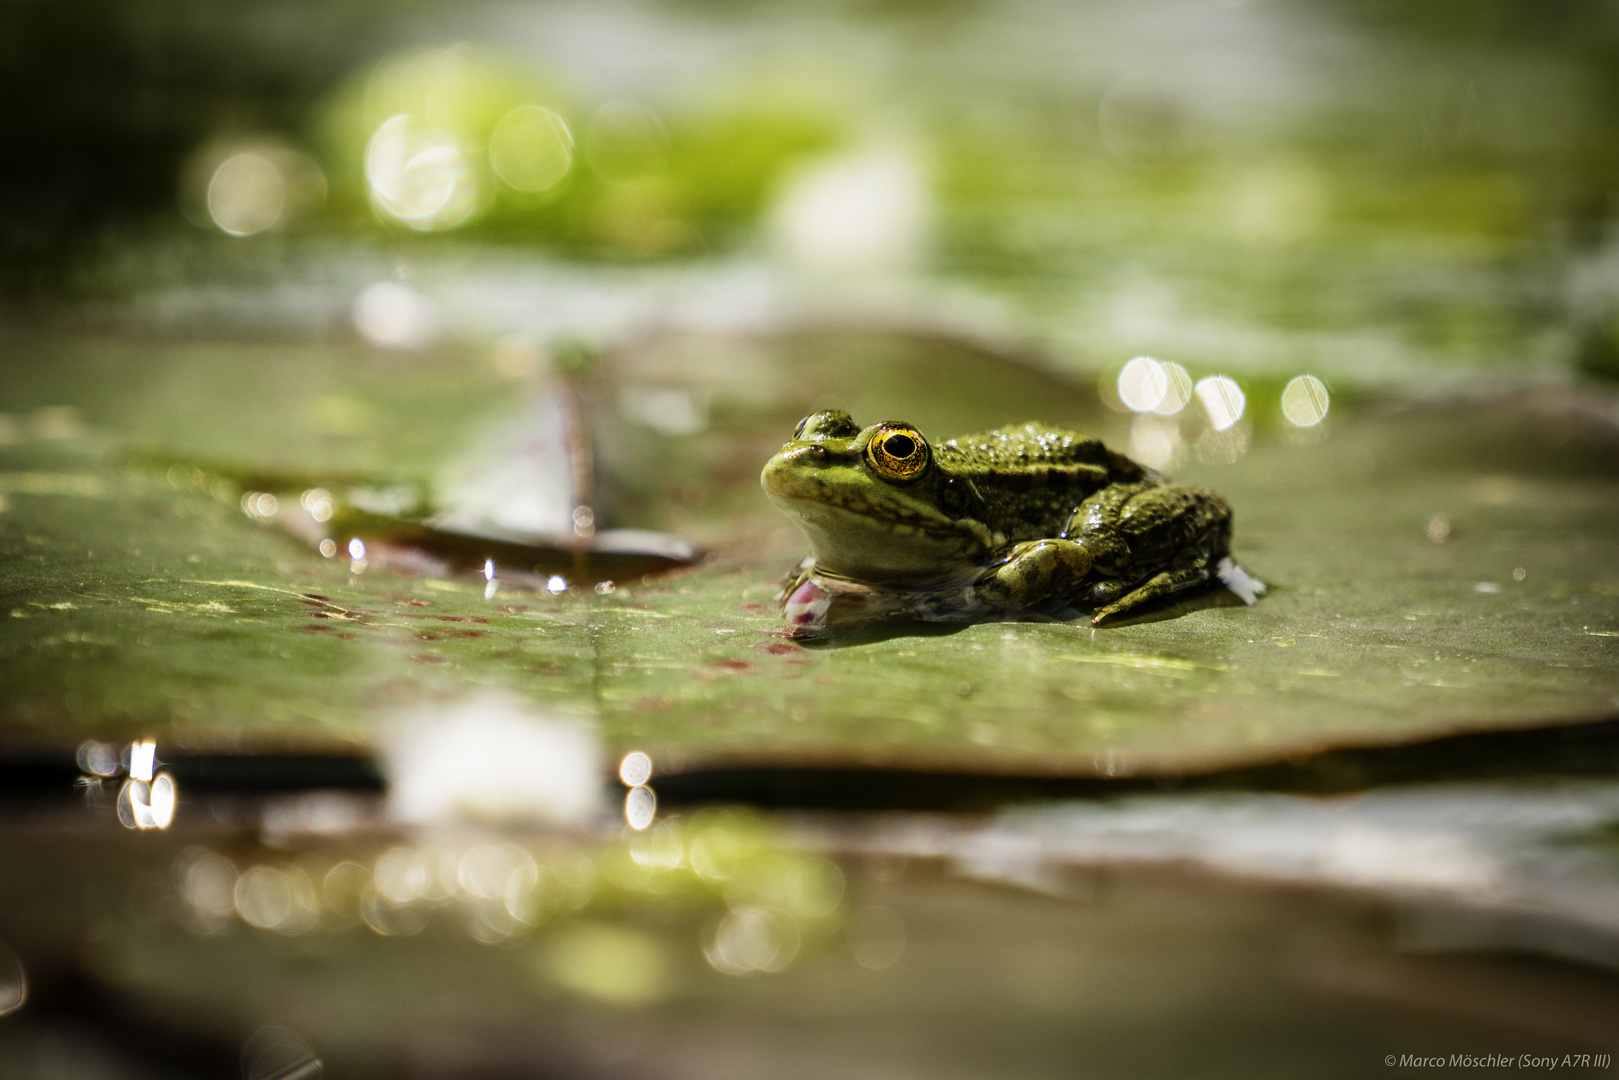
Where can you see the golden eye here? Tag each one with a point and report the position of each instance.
(898, 452)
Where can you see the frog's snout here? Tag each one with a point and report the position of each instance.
(780, 470)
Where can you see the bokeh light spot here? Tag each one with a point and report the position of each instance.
(531, 149)
(865, 211)
(1142, 384)
(877, 938)
(395, 316)
(640, 807)
(1177, 390)
(247, 195)
(626, 141)
(274, 1053)
(420, 176)
(1154, 441)
(13, 982)
(753, 939)
(1222, 400)
(1305, 401)
(635, 769)
(142, 759)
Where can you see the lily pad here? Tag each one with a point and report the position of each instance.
(1434, 568)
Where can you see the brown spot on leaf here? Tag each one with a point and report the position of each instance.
(732, 665)
(654, 704)
(427, 658)
(782, 648)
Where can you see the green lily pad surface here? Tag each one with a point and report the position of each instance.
(1434, 567)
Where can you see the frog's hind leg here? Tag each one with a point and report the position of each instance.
(1174, 579)
(1161, 584)
(1193, 567)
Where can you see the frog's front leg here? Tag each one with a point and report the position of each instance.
(795, 577)
(1035, 571)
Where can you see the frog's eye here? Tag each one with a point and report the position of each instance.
(898, 452)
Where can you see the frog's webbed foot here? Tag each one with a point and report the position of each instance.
(1036, 571)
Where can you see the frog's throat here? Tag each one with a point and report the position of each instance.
(875, 544)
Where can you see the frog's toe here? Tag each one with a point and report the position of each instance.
(1240, 581)
(1164, 583)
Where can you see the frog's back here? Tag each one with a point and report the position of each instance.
(1032, 476)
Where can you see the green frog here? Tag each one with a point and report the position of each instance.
(1026, 518)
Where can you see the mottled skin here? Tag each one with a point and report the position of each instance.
(1019, 517)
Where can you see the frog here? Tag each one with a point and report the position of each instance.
(1022, 519)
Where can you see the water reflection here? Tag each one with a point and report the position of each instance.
(277, 898)
(401, 875)
(274, 1053)
(866, 211)
(98, 759)
(392, 315)
(753, 939)
(753, 906)
(1155, 441)
(318, 501)
(148, 804)
(13, 981)
(142, 759)
(1223, 447)
(640, 807)
(614, 964)
(207, 883)
(492, 757)
(877, 938)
